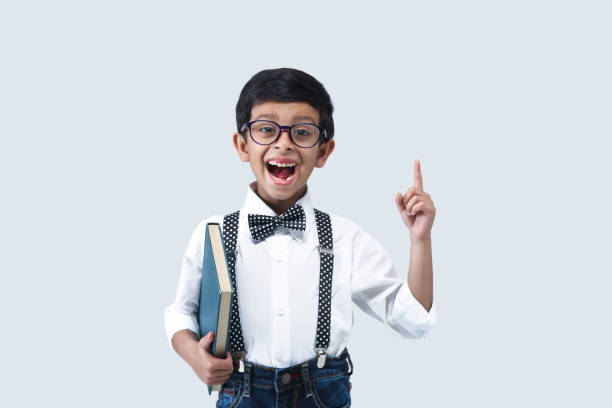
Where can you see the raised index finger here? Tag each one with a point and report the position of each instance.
(418, 177)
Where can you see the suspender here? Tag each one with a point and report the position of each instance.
(326, 256)
(230, 234)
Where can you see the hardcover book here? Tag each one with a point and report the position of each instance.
(216, 294)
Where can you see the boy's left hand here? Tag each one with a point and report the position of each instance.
(416, 207)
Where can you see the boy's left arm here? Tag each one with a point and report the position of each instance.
(418, 212)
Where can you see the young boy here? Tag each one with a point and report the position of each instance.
(297, 270)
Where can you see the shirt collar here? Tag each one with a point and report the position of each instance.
(253, 204)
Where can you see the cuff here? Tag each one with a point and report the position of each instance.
(175, 321)
(409, 318)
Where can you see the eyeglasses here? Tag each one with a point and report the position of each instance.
(266, 132)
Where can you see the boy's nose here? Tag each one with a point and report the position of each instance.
(284, 141)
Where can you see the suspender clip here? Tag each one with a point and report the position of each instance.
(320, 357)
(325, 250)
(238, 357)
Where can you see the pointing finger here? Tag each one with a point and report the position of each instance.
(418, 177)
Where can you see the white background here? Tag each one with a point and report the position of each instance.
(116, 120)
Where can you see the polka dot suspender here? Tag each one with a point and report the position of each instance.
(326, 269)
(324, 231)
(230, 234)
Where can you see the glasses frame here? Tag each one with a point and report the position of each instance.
(322, 132)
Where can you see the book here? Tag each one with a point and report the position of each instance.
(216, 294)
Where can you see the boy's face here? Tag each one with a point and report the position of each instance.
(281, 193)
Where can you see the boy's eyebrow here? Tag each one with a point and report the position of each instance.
(304, 118)
(266, 115)
(275, 117)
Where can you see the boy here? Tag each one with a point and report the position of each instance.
(297, 270)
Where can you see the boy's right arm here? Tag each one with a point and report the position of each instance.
(211, 370)
(181, 321)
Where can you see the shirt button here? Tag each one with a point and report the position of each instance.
(286, 378)
(281, 312)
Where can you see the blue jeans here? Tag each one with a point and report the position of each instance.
(299, 386)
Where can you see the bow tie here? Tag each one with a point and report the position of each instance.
(262, 226)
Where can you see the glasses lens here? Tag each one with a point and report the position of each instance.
(305, 134)
(264, 132)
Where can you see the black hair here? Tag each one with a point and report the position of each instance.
(285, 85)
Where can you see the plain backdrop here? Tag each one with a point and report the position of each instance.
(116, 120)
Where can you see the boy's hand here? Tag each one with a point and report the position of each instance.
(416, 207)
(210, 369)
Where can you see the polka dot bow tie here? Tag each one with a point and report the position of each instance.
(262, 226)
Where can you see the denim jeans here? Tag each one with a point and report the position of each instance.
(299, 386)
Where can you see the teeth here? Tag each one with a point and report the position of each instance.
(275, 163)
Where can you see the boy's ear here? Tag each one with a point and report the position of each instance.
(324, 151)
(241, 147)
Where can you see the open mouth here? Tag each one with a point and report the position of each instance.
(281, 170)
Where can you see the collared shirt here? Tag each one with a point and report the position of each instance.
(278, 283)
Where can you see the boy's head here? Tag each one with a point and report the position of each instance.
(285, 85)
(283, 158)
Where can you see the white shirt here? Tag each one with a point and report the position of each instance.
(278, 283)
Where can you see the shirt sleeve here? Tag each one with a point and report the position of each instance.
(183, 312)
(380, 291)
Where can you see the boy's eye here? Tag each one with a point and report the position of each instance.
(301, 132)
(263, 128)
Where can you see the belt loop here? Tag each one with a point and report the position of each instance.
(247, 380)
(306, 379)
(350, 362)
